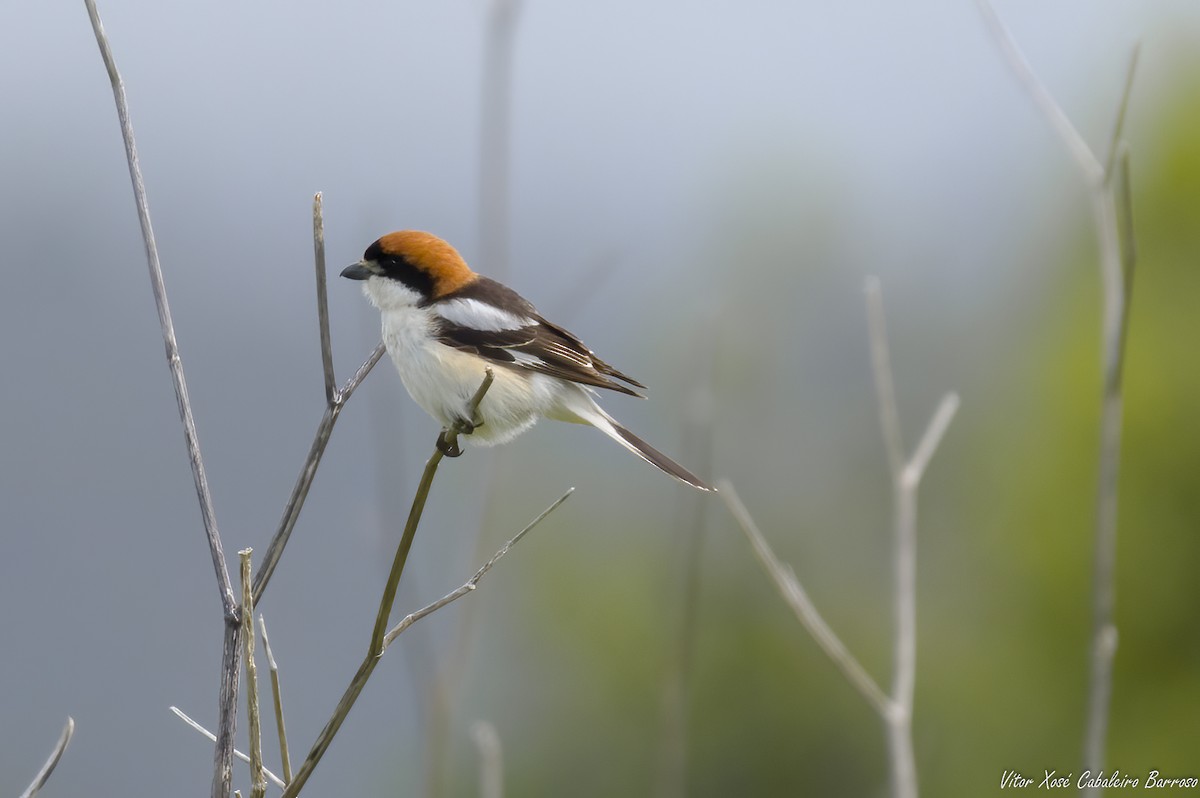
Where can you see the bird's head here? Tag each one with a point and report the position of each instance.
(409, 267)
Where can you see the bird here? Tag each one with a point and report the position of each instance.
(445, 326)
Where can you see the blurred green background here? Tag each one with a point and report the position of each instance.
(1006, 531)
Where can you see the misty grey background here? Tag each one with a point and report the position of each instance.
(642, 133)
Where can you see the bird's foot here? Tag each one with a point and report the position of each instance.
(447, 444)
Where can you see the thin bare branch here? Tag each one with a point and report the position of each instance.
(914, 469)
(291, 511)
(1085, 159)
(285, 756)
(806, 612)
(447, 441)
(183, 716)
(906, 478)
(491, 760)
(323, 299)
(496, 132)
(222, 758)
(258, 785)
(51, 762)
(1124, 203)
(470, 585)
(164, 315)
(1114, 144)
(414, 518)
(1112, 212)
(881, 363)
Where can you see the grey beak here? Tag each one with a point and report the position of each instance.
(356, 271)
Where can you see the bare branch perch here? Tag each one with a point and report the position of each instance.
(51, 763)
(223, 755)
(1114, 231)
(447, 441)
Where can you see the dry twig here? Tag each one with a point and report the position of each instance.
(896, 709)
(183, 716)
(51, 762)
(258, 784)
(223, 766)
(1108, 186)
(277, 694)
(447, 441)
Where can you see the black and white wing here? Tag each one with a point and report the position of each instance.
(498, 324)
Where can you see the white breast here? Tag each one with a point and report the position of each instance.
(442, 379)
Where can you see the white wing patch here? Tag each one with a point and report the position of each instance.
(476, 315)
(526, 359)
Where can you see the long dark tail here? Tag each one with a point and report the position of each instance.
(581, 408)
(656, 458)
(651, 455)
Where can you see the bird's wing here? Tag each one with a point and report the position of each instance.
(497, 324)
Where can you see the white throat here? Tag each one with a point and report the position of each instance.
(388, 294)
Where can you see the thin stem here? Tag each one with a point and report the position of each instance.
(258, 784)
(914, 469)
(496, 132)
(291, 511)
(179, 713)
(881, 369)
(222, 764)
(1114, 144)
(157, 285)
(1092, 169)
(414, 518)
(898, 723)
(285, 756)
(1112, 213)
(491, 760)
(806, 612)
(375, 650)
(51, 762)
(323, 299)
(906, 479)
(470, 585)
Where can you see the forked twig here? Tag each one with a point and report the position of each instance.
(447, 441)
(51, 762)
(1113, 215)
(335, 400)
(473, 582)
(895, 709)
(906, 479)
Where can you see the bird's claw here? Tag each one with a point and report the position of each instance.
(448, 444)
